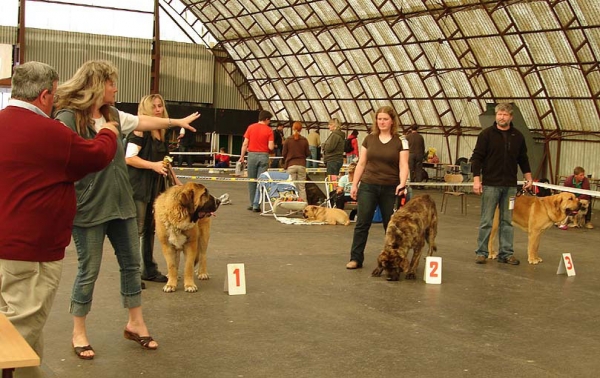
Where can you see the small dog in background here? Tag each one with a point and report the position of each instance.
(323, 214)
(410, 227)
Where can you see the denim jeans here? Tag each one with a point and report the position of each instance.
(369, 197)
(333, 167)
(145, 224)
(275, 162)
(492, 197)
(314, 154)
(258, 162)
(89, 241)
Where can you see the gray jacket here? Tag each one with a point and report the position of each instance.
(104, 195)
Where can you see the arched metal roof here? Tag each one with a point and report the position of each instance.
(438, 62)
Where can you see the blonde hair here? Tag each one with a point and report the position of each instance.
(145, 108)
(296, 128)
(392, 113)
(85, 90)
(336, 123)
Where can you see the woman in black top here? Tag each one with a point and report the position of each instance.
(148, 177)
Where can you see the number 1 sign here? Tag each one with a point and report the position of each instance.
(566, 265)
(433, 270)
(235, 282)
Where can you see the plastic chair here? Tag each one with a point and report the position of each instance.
(454, 192)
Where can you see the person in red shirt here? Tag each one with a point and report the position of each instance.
(40, 161)
(222, 159)
(258, 141)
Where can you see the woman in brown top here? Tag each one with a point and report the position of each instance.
(382, 172)
(295, 152)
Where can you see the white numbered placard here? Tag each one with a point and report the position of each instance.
(433, 270)
(235, 282)
(566, 265)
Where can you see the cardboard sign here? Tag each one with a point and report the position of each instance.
(433, 270)
(235, 282)
(566, 265)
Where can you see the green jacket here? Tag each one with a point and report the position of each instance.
(104, 195)
(333, 148)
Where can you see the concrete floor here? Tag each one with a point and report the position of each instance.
(305, 315)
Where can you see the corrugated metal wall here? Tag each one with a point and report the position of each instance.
(226, 95)
(67, 51)
(186, 72)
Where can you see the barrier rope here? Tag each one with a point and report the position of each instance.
(592, 193)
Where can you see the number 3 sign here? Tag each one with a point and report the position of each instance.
(566, 265)
(433, 270)
(235, 282)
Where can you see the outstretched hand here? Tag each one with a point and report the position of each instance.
(185, 122)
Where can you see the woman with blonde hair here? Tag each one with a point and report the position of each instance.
(333, 148)
(148, 177)
(105, 205)
(295, 152)
(381, 175)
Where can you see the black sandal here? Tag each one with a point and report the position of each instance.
(79, 350)
(144, 341)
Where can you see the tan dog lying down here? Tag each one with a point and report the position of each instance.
(409, 228)
(324, 214)
(535, 215)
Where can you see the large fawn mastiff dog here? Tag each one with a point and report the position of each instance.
(182, 215)
(535, 215)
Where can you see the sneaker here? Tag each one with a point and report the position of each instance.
(589, 225)
(158, 278)
(512, 260)
(563, 227)
(480, 259)
(256, 210)
(249, 208)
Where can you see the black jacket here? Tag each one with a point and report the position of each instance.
(497, 154)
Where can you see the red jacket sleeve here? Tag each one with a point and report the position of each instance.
(90, 155)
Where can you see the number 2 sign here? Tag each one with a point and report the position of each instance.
(433, 270)
(566, 265)
(235, 282)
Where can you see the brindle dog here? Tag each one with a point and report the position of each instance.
(410, 227)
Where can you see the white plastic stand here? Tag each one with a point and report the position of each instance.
(433, 270)
(235, 282)
(566, 265)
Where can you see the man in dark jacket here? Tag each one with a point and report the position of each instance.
(278, 139)
(498, 151)
(186, 142)
(416, 155)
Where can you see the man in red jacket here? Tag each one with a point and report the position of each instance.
(40, 160)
